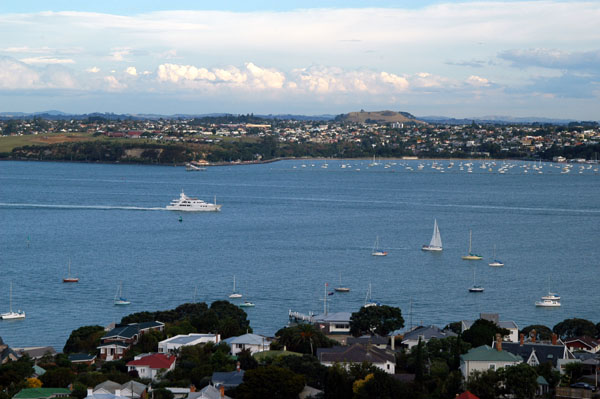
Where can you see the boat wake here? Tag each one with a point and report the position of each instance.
(97, 207)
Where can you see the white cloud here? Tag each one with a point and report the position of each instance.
(113, 84)
(46, 60)
(119, 54)
(477, 81)
(16, 75)
(93, 69)
(131, 71)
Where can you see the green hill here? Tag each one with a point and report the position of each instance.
(379, 117)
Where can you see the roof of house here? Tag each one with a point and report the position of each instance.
(149, 324)
(108, 385)
(38, 370)
(587, 341)
(187, 339)
(115, 343)
(154, 361)
(81, 357)
(134, 386)
(333, 317)
(229, 379)
(208, 392)
(34, 393)
(426, 333)
(247, 339)
(111, 387)
(368, 339)
(466, 395)
(356, 353)
(309, 392)
(36, 352)
(127, 332)
(543, 352)
(485, 353)
(541, 380)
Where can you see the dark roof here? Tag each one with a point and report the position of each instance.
(356, 353)
(366, 339)
(150, 324)
(427, 333)
(115, 343)
(543, 352)
(81, 357)
(588, 341)
(127, 332)
(229, 379)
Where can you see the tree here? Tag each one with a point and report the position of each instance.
(162, 393)
(84, 340)
(59, 377)
(270, 382)
(573, 372)
(338, 383)
(33, 382)
(485, 384)
(303, 338)
(542, 332)
(376, 319)
(521, 380)
(574, 328)
(483, 332)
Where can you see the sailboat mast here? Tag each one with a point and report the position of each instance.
(325, 301)
(10, 299)
(470, 235)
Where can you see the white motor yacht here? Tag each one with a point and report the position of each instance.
(191, 204)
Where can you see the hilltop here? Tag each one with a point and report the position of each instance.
(378, 117)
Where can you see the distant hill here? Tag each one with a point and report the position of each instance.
(494, 119)
(379, 117)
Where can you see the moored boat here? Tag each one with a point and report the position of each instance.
(10, 315)
(192, 204)
(436, 239)
(471, 255)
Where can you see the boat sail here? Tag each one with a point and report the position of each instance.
(471, 255)
(10, 315)
(234, 294)
(376, 250)
(436, 239)
(119, 300)
(70, 279)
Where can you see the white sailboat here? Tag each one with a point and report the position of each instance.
(496, 262)
(376, 250)
(69, 278)
(475, 288)
(368, 300)
(341, 288)
(119, 299)
(234, 294)
(436, 239)
(471, 255)
(10, 315)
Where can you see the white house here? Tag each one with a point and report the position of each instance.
(485, 358)
(171, 345)
(511, 326)
(151, 366)
(357, 354)
(253, 342)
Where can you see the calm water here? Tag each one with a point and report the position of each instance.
(284, 231)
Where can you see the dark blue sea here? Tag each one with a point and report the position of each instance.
(286, 229)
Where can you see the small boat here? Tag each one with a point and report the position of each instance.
(475, 288)
(192, 204)
(368, 300)
(70, 279)
(190, 167)
(471, 255)
(10, 315)
(341, 288)
(376, 250)
(246, 304)
(234, 294)
(547, 303)
(551, 297)
(119, 299)
(495, 262)
(436, 239)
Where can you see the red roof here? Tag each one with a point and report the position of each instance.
(156, 361)
(466, 395)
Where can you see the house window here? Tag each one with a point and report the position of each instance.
(492, 367)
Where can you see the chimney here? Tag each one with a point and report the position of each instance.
(238, 367)
(217, 338)
(192, 388)
(554, 339)
(533, 335)
(90, 392)
(222, 390)
(117, 392)
(498, 342)
(521, 339)
(393, 342)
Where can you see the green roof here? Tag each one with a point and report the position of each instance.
(35, 393)
(541, 380)
(485, 353)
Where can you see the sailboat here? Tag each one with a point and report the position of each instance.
(341, 288)
(496, 262)
(376, 250)
(475, 288)
(436, 239)
(10, 315)
(119, 300)
(247, 304)
(70, 279)
(234, 294)
(368, 300)
(471, 255)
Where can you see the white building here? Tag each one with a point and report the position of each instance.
(485, 358)
(151, 366)
(173, 344)
(253, 342)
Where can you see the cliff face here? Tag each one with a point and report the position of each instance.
(379, 117)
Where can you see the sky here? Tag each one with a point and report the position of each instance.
(458, 59)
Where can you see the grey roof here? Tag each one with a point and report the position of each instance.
(427, 332)
(185, 339)
(81, 357)
(134, 386)
(309, 392)
(127, 332)
(149, 324)
(356, 353)
(247, 339)
(368, 339)
(111, 386)
(543, 352)
(333, 317)
(108, 385)
(36, 352)
(208, 392)
(229, 379)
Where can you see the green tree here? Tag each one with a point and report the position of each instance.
(521, 381)
(162, 393)
(485, 384)
(574, 328)
(542, 332)
(376, 320)
(270, 382)
(303, 338)
(58, 377)
(338, 383)
(483, 332)
(84, 340)
(378, 384)
(573, 372)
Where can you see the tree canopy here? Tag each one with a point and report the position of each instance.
(574, 328)
(376, 320)
(542, 332)
(483, 332)
(270, 382)
(84, 340)
(303, 338)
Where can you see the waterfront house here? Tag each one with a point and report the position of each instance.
(485, 358)
(82, 358)
(173, 344)
(253, 342)
(35, 352)
(424, 333)
(42, 393)
(583, 343)
(116, 342)
(151, 365)
(535, 353)
(358, 354)
(6, 353)
(511, 326)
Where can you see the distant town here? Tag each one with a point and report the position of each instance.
(248, 138)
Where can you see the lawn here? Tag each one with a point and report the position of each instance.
(7, 143)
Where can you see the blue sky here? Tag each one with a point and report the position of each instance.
(461, 59)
